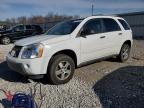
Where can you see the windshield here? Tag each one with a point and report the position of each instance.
(64, 28)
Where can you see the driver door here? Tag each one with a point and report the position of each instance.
(93, 41)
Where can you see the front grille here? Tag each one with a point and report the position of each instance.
(15, 51)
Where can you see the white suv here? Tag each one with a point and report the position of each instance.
(71, 44)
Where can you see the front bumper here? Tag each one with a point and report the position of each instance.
(27, 67)
(18, 67)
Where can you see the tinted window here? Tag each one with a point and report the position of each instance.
(19, 28)
(64, 28)
(124, 24)
(36, 27)
(110, 25)
(28, 27)
(92, 27)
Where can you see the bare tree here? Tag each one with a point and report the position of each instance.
(50, 17)
(37, 20)
(22, 20)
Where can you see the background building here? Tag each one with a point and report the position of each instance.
(136, 21)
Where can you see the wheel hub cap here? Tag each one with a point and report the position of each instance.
(125, 53)
(63, 70)
(6, 40)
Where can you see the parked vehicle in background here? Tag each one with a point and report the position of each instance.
(3, 27)
(71, 44)
(19, 32)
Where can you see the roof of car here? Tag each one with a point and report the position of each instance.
(96, 16)
(103, 16)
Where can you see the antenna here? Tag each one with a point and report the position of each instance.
(92, 9)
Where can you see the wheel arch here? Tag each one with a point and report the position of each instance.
(67, 52)
(128, 42)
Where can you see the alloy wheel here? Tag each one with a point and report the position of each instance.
(63, 70)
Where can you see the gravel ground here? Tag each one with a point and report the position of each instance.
(107, 84)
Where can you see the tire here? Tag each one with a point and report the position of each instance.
(124, 53)
(5, 40)
(61, 69)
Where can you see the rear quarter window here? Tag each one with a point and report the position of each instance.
(124, 24)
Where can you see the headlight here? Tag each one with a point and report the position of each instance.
(32, 51)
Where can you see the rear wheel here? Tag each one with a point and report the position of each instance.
(124, 53)
(61, 69)
(5, 40)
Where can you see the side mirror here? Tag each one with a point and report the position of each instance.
(83, 33)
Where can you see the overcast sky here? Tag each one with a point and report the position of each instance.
(15, 8)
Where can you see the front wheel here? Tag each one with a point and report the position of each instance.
(5, 40)
(124, 53)
(61, 69)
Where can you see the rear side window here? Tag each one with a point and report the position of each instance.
(110, 25)
(28, 27)
(36, 27)
(124, 24)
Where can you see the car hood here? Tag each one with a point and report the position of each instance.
(45, 39)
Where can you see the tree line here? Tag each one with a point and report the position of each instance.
(39, 19)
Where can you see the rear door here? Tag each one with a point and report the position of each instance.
(113, 35)
(29, 31)
(37, 30)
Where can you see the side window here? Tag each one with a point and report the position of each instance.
(110, 25)
(33, 27)
(19, 28)
(28, 27)
(92, 27)
(38, 27)
(124, 24)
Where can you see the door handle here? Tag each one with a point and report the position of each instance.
(119, 33)
(102, 37)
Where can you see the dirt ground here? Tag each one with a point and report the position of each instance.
(107, 84)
